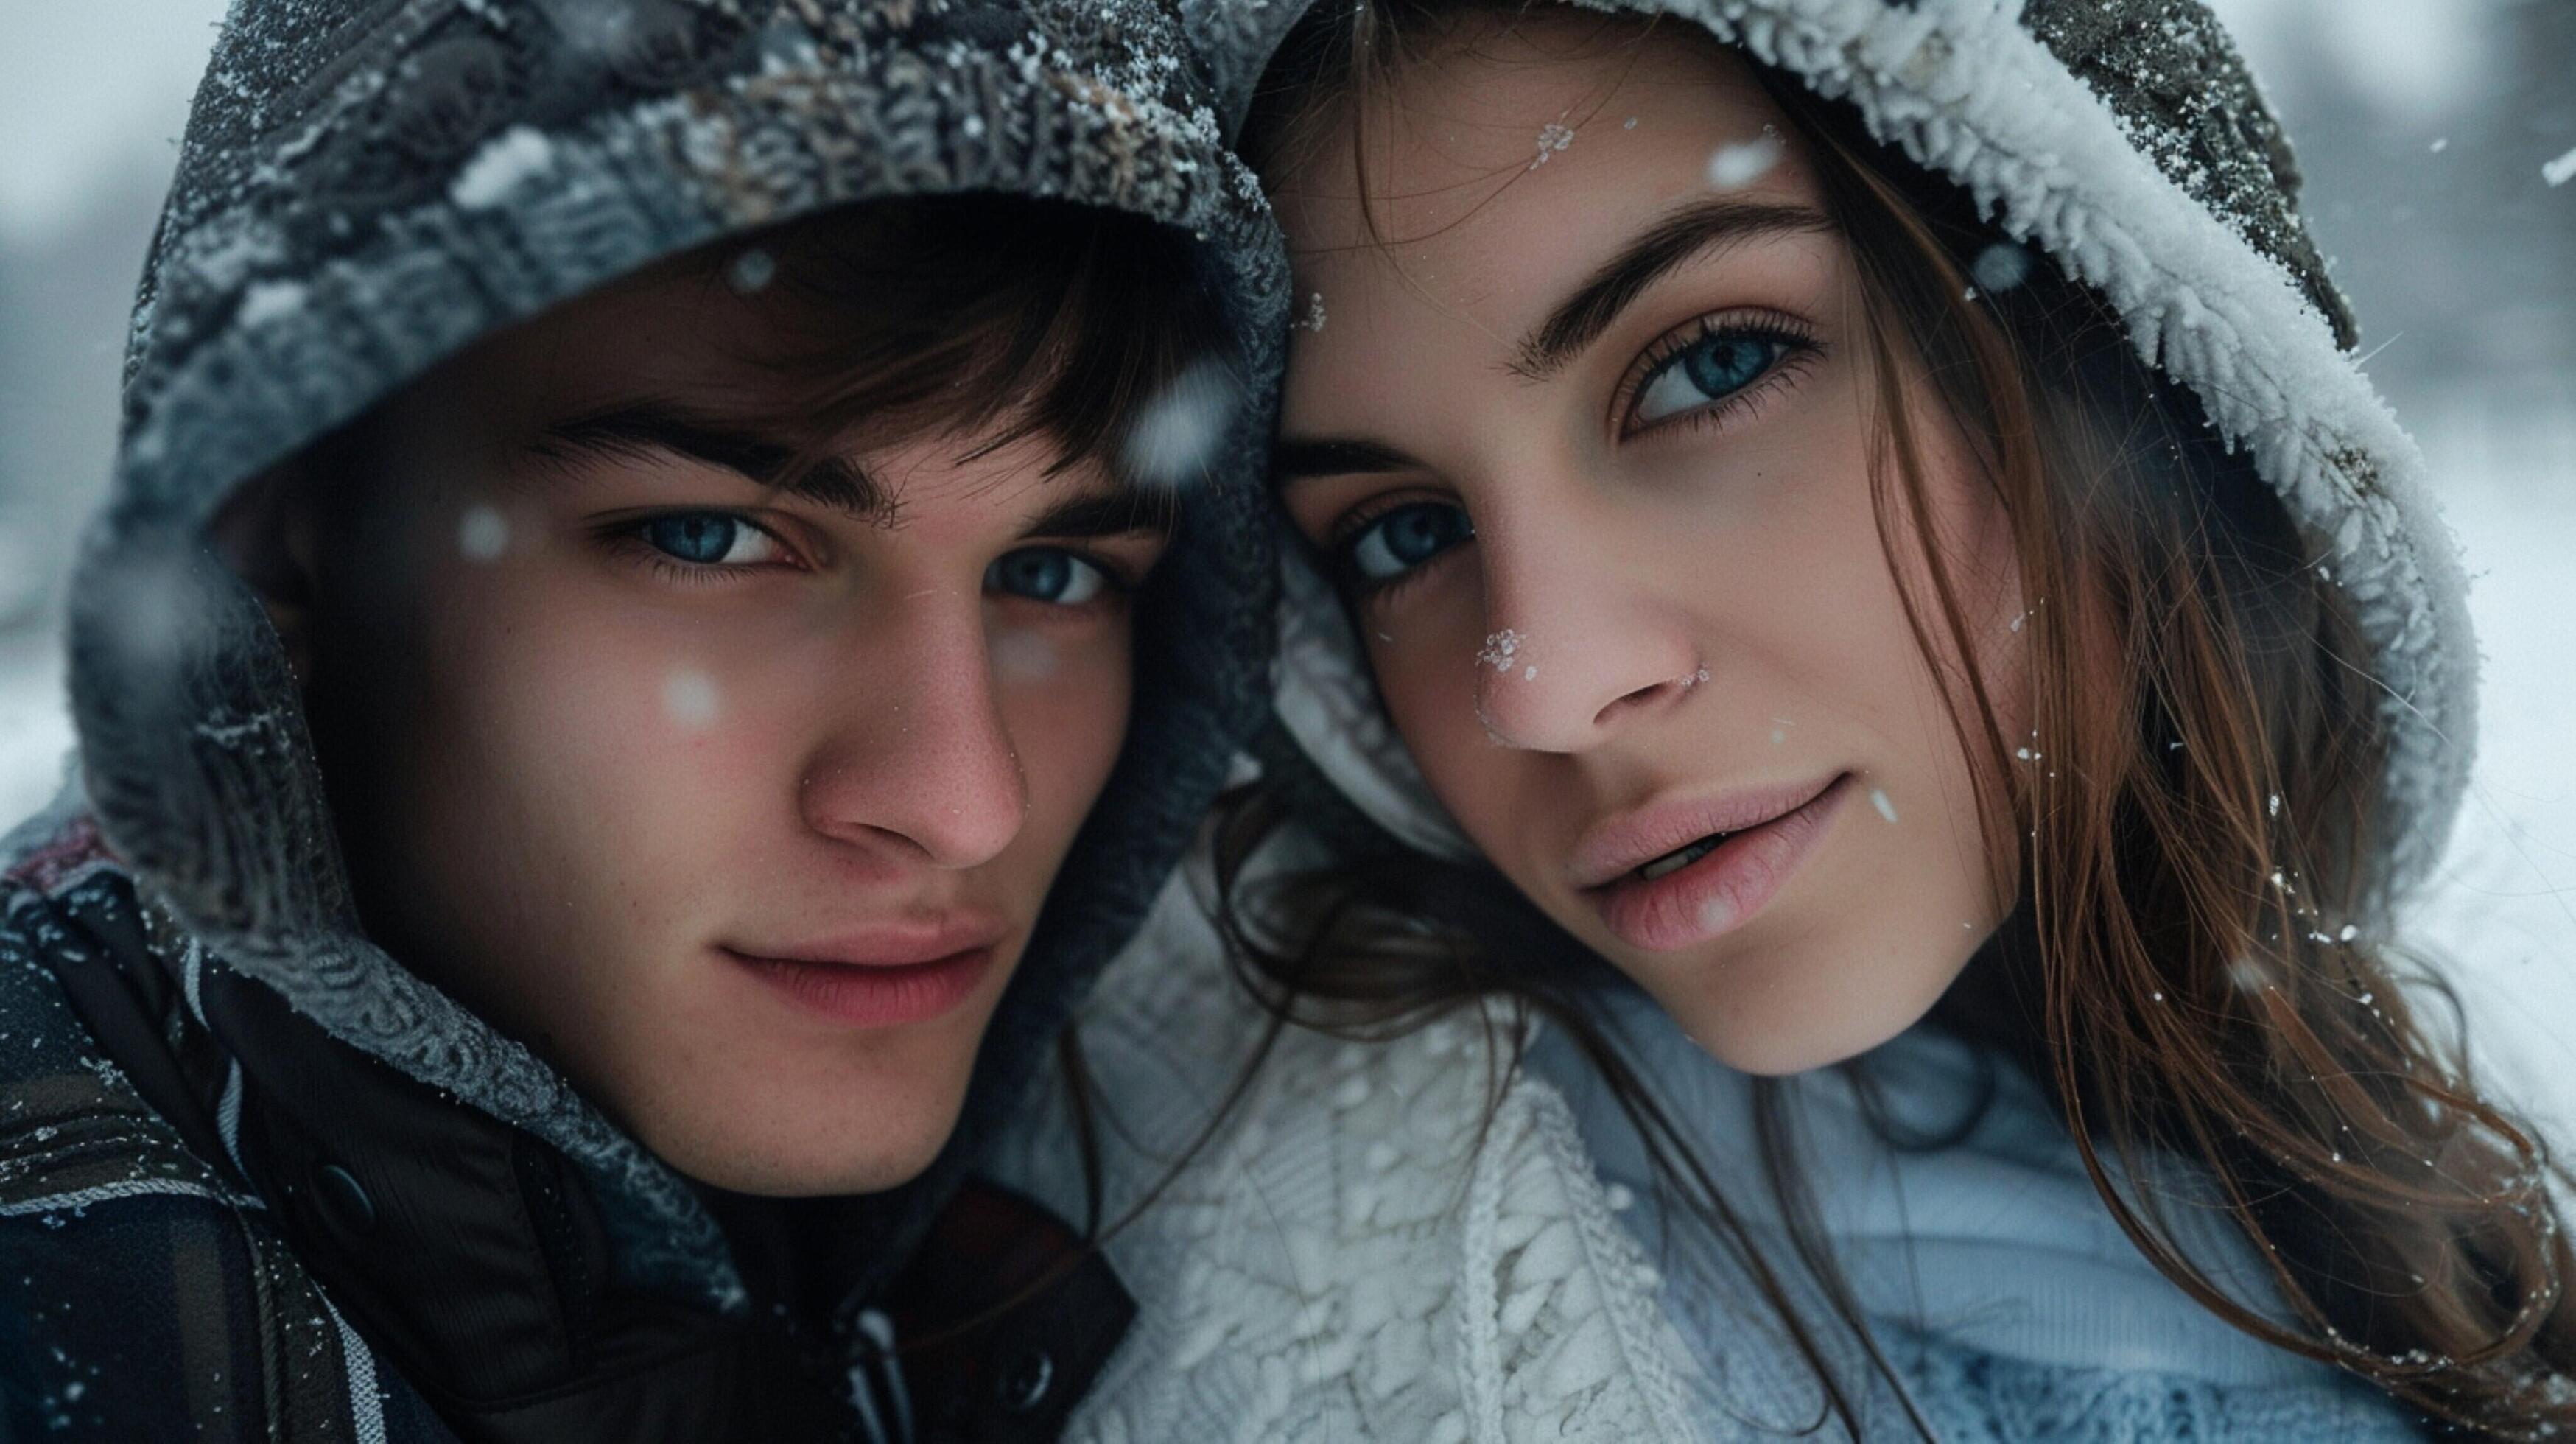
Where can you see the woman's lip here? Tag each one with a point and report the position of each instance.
(1716, 894)
(1620, 845)
(873, 994)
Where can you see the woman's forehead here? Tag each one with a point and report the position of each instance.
(1523, 148)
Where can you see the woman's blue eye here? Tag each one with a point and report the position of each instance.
(709, 539)
(1405, 538)
(1710, 369)
(1046, 574)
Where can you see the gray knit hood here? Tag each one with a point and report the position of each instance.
(367, 186)
(2127, 141)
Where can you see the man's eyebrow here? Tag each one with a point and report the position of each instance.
(1684, 235)
(638, 428)
(1293, 460)
(1116, 512)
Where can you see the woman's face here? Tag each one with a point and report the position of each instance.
(1588, 441)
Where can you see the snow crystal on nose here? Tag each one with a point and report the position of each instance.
(1500, 648)
(482, 534)
(1023, 656)
(691, 699)
(751, 272)
(2002, 266)
(1738, 165)
(1176, 436)
(1313, 320)
(1552, 137)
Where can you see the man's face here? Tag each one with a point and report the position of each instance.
(736, 802)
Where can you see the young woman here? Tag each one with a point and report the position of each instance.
(1897, 664)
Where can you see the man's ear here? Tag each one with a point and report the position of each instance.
(269, 533)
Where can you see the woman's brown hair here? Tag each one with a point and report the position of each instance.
(2196, 963)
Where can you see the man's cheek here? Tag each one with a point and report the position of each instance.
(1067, 730)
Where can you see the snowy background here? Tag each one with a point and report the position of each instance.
(2425, 127)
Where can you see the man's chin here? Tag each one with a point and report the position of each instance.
(805, 1143)
(828, 1168)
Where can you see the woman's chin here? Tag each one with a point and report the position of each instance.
(1784, 1010)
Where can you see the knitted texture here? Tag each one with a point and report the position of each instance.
(1361, 1251)
(1975, 1398)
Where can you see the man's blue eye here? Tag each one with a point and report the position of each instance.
(1405, 538)
(1710, 369)
(1046, 574)
(705, 538)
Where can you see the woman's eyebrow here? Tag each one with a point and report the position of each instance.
(1295, 460)
(1684, 235)
(640, 428)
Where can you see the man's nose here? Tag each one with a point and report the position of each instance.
(915, 756)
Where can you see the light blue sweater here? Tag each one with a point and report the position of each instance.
(1992, 1277)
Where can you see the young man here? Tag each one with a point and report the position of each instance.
(662, 615)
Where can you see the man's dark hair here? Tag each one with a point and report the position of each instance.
(948, 315)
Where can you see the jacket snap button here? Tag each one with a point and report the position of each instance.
(344, 1198)
(1023, 1382)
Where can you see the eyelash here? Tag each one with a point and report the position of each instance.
(1351, 523)
(626, 535)
(1799, 349)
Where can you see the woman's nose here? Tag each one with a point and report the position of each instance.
(1579, 646)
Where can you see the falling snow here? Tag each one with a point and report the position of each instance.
(1738, 165)
(751, 272)
(1024, 656)
(1177, 435)
(1878, 798)
(689, 696)
(1717, 914)
(2560, 171)
(482, 534)
(2002, 266)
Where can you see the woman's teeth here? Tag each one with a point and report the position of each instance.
(1673, 862)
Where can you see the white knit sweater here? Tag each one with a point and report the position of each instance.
(1352, 1254)
(1358, 1250)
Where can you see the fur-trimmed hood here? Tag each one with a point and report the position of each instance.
(2126, 140)
(368, 186)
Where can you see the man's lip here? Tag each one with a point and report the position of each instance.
(901, 943)
(1616, 846)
